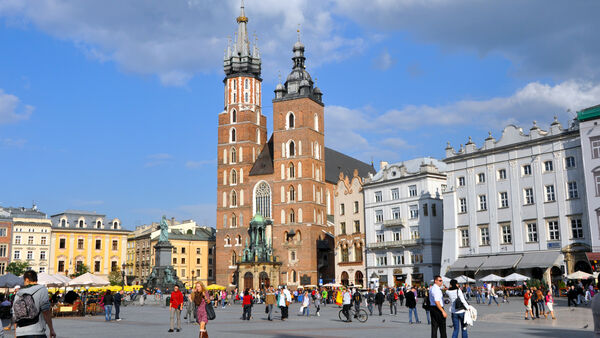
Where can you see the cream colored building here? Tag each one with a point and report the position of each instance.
(31, 242)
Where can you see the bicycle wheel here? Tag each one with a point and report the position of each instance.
(342, 316)
(362, 316)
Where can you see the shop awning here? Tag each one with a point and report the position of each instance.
(538, 259)
(593, 256)
(498, 262)
(467, 263)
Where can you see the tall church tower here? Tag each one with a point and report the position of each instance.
(242, 133)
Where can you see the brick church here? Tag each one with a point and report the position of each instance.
(287, 178)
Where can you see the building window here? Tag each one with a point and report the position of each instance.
(3, 250)
(17, 255)
(262, 200)
(63, 223)
(342, 209)
(395, 194)
(61, 266)
(18, 239)
(233, 221)
(378, 216)
(529, 196)
(42, 255)
(292, 170)
(461, 181)
(233, 153)
(532, 234)
(97, 266)
(553, 230)
(548, 166)
(357, 227)
(504, 199)
(3, 268)
(481, 178)
(98, 244)
(433, 210)
(232, 135)
(464, 238)
(576, 228)
(527, 169)
(29, 255)
(292, 216)
(397, 236)
(292, 149)
(291, 121)
(343, 228)
(182, 260)
(233, 116)
(344, 254)
(355, 207)
(233, 176)
(378, 196)
(233, 198)
(30, 240)
(81, 223)
(115, 245)
(597, 180)
(396, 213)
(414, 211)
(62, 243)
(382, 261)
(80, 244)
(482, 202)
(570, 162)
(484, 235)
(99, 224)
(2, 232)
(412, 190)
(425, 210)
(502, 174)
(595, 144)
(380, 238)
(550, 196)
(462, 202)
(399, 260)
(506, 234)
(572, 188)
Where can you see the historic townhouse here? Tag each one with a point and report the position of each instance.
(403, 220)
(517, 203)
(286, 178)
(5, 239)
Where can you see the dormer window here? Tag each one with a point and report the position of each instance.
(115, 225)
(81, 223)
(99, 224)
(63, 223)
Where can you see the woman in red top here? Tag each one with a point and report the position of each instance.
(247, 305)
(527, 303)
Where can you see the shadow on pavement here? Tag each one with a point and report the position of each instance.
(558, 333)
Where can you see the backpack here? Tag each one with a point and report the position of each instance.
(5, 312)
(25, 311)
(395, 296)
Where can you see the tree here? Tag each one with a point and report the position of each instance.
(17, 268)
(114, 277)
(81, 269)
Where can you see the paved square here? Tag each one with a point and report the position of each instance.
(153, 321)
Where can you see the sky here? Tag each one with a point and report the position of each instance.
(111, 106)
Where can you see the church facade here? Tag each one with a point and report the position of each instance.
(283, 178)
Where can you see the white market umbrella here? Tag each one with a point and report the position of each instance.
(491, 278)
(515, 277)
(580, 275)
(49, 280)
(10, 281)
(62, 278)
(464, 279)
(88, 279)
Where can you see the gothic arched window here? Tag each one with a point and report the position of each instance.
(316, 122)
(233, 155)
(232, 136)
(292, 193)
(233, 116)
(292, 216)
(291, 121)
(233, 258)
(233, 221)
(233, 199)
(262, 199)
(233, 176)
(292, 170)
(292, 148)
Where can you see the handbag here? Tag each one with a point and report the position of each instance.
(210, 311)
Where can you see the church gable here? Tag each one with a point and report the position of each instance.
(264, 162)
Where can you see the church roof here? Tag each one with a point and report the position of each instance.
(336, 162)
(264, 162)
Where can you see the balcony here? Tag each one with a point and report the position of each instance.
(395, 244)
(398, 222)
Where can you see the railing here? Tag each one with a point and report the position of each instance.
(398, 222)
(395, 244)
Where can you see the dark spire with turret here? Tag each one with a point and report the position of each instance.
(299, 83)
(242, 59)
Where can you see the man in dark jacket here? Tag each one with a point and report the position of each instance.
(391, 297)
(117, 299)
(411, 304)
(379, 299)
(370, 301)
(356, 299)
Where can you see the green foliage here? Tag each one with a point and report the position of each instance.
(534, 283)
(561, 284)
(115, 278)
(18, 268)
(81, 269)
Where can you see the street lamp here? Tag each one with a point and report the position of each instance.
(193, 278)
(123, 274)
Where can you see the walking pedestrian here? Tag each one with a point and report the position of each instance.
(527, 303)
(199, 298)
(492, 295)
(175, 307)
(438, 314)
(370, 301)
(356, 299)
(306, 304)
(458, 306)
(427, 306)
(318, 299)
(117, 299)
(270, 300)
(540, 303)
(411, 304)
(247, 305)
(550, 304)
(379, 299)
(346, 304)
(283, 301)
(392, 297)
(108, 301)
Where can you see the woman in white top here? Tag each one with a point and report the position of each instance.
(459, 304)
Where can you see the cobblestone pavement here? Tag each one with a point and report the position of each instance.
(494, 321)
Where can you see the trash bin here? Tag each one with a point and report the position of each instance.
(168, 301)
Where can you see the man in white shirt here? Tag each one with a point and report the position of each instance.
(346, 304)
(438, 315)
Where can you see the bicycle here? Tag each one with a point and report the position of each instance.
(361, 315)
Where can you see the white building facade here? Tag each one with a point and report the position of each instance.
(403, 221)
(517, 204)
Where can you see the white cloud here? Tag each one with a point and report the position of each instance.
(198, 164)
(12, 110)
(384, 61)
(179, 38)
(154, 160)
(13, 143)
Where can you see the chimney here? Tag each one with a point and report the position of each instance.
(383, 165)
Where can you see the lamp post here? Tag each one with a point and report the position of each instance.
(123, 274)
(193, 278)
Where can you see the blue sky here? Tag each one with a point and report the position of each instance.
(112, 106)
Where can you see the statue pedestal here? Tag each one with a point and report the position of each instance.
(163, 276)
